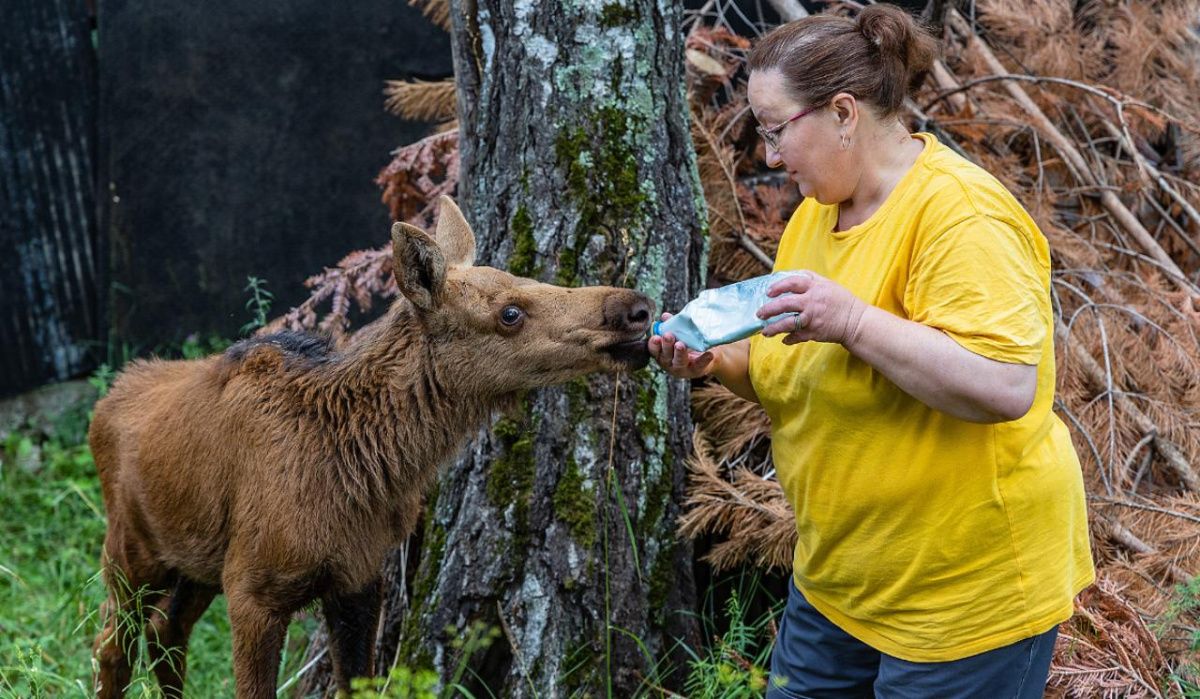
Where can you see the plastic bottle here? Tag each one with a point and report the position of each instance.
(723, 315)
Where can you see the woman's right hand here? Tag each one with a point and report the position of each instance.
(676, 359)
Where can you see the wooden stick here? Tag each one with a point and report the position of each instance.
(789, 10)
(946, 80)
(1148, 508)
(1121, 535)
(1070, 153)
(1171, 453)
(1156, 176)
(739, 233)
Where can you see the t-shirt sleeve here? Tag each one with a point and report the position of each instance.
(981, 283)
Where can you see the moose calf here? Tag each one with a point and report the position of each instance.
(283, 470)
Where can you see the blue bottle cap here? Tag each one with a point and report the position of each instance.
(654, 328)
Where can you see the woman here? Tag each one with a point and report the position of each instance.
(938, 499)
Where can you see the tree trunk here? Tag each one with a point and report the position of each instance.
(558, 526)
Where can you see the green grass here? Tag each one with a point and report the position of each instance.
(52, 525)
(1182, 609)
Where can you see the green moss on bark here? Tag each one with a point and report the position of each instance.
(523, 261)
(615, 14)
(662, 579)
(601, 165)
(575, 504)
(413, 647)
(510, 478)
(584, 660)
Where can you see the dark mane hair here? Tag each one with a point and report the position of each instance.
(300, 345)
(880, 57)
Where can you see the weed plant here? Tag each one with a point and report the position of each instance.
(736, 664)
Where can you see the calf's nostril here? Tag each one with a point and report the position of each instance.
(627, 312)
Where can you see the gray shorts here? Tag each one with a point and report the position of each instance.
(814, 659)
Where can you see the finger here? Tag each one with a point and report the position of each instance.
(787, 304)
(665, 316)
(795, 283)
(680, 359)
(774, 329)
(656, 351)
(666, 352)
(784, 326)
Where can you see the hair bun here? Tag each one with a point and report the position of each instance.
(886, 26)
(899, 38)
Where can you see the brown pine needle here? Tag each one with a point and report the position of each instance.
(421, 100)
(438, 11)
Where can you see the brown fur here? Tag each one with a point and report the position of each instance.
(283, 471)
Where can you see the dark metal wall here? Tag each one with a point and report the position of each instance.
(49, 318)
(148, 167)
(242, 138)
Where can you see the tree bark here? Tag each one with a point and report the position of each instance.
(558, 526)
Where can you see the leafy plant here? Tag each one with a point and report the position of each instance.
(259, 304)
(405, 683)
(196, 347)
(401, 683)
(102, 379)
(736, 665)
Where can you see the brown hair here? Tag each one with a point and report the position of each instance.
(879, 57)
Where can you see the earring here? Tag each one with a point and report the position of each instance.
(845, 142)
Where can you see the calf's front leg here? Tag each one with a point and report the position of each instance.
(353, 620)
(258, 633)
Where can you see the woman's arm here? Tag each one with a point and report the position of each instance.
(924, 362)
(732, 368)
(730, 364)
(930, 366)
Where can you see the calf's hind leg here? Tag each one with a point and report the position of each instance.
(135, 584)
(353, 620)
(259, 628)
(168, 631)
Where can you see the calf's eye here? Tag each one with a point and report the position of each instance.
(511, 315)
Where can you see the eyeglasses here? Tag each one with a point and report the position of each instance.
(771, 135)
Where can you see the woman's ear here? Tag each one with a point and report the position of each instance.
(845, 108)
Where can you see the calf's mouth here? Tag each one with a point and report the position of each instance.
(630, 352)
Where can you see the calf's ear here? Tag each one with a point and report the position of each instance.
(454, 234)
(418, 265)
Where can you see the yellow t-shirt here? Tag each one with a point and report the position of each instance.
(925, 536)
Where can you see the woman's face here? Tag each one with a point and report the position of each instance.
(809, 147)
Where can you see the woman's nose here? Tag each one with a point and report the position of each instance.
(773, 159)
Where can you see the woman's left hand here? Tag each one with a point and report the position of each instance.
(828, 312)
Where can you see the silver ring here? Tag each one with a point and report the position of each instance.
(799, 323)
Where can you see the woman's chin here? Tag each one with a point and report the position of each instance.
(806, 191)
(809, 192)
(801, 185)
